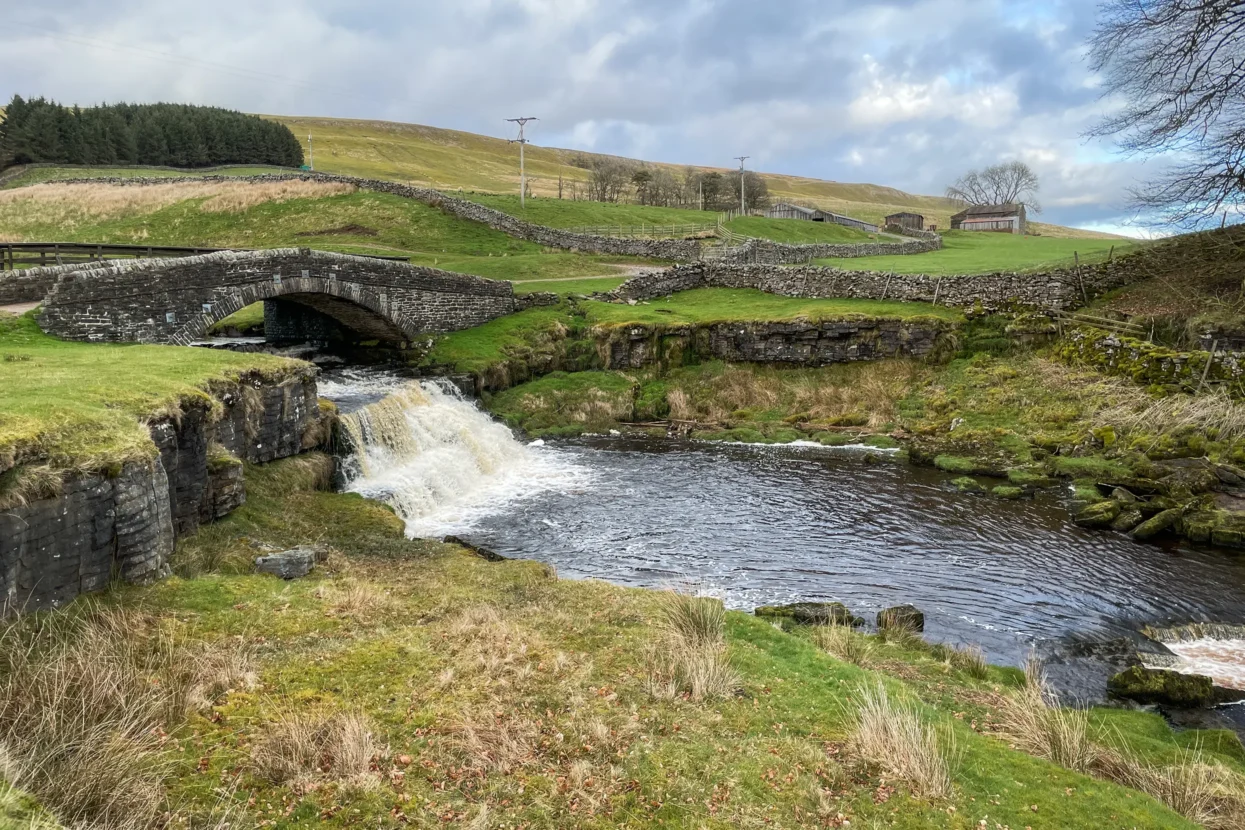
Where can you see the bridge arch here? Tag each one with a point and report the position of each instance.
(355, 306)
(176, 301)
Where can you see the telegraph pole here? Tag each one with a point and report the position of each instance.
(311, 153)
(743, 203)
(522, 122)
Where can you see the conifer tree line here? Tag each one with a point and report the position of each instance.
(177, 135)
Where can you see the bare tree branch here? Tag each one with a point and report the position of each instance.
(1179, 67)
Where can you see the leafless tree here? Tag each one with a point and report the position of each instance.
(998, 184)
(1179, 67)
(608, 178)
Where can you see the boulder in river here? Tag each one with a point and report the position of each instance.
(1156, 524)
(287, 564)
(811, 613)
(1099, 515)
(1128, 519)
(1008, 492)
(905, 617)
(1163, 687)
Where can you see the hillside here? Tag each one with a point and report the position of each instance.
(452, 160)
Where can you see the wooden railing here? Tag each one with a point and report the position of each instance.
(31, 254)
(648, 231)
(1120, 327)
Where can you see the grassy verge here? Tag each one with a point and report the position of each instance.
(414, 683)
(968, 252)
(723, 305)
(78, 406)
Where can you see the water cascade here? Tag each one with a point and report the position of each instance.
(441, 463)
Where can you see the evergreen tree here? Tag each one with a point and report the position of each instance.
(38, 130)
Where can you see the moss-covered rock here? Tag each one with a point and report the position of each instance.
(1128, 519)
(902, 617)
(1098, 515)
(811, 613)
(968, 484)
(955, 464)
(1007, 491)
(1221, 527)
(1162, 687)
(1156, 524)
(1022, 477)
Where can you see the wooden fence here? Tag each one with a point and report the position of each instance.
(30, 254)
(648, 231)
(1120, 327)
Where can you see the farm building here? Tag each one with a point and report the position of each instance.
(907, 221)
(786, 210)
(997, 218)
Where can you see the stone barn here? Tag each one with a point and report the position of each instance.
(992, 218)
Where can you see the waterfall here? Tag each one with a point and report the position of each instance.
(441, 463)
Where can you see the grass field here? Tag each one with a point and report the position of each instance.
(411, 683)
(82, 406)
(724, 305)
(967, 252)
(330, 217)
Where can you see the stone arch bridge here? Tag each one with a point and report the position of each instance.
(307, 295)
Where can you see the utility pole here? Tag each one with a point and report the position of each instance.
(743, 203)
(311, 153)
(522, 122)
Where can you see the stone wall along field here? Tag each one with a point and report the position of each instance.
(1060, 289)
(1147, 363)
(102, 527)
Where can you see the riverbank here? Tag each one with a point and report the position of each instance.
(412, 682)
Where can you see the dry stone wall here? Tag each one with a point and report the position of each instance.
(103, 527)
(798, 343)
(1060, 289)
(765, 252)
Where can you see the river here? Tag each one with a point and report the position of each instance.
(761, 525)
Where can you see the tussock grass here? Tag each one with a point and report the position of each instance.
(301, 748)
(352, 598)
(1199, 789)
(894, 736)
(691, 659)
(85, 697)
(971, 660)
(1035, 722)
(845, 643)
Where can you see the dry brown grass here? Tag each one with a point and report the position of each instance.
(1036, 724)
(352, 598)
(1202, 791)
(863, 397)
(1214, 411)
(85, 699)
(893, 735)
(300, 748)
(68, 205)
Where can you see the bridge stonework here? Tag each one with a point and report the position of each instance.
(176, 301)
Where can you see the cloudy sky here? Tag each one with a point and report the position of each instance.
(906, 93)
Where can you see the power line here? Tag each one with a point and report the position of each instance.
(522, 122)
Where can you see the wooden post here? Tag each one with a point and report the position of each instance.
(1076, 257)
(1214, 344)
(887, 289)
(1111, 254)
(937, 289)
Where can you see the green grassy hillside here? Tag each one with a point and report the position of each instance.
(450, 160)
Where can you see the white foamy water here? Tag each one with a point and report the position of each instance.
(441, 463)
(1221, 660)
